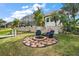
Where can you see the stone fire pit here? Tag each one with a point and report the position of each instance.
(39, 42)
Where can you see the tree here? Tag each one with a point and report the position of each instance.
(38, 16)
(2, 22)
(71, 9)
(60, 16)
(15, 24)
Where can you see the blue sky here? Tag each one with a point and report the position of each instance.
(9, 11)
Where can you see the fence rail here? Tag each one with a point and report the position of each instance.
(4, 36)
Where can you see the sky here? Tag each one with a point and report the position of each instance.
(9, 11)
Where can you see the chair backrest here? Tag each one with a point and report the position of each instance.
(38, 32)
(50, 34)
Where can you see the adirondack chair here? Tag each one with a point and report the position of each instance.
(50, 34)
(38, 33)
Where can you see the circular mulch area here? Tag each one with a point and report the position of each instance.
(36, 42)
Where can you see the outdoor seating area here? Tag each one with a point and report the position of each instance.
(39, 40)
(39, 29)
(35, 42)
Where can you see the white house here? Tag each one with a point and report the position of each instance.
(50, 24)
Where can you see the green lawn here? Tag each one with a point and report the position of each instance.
(67, 45)
(5, 31)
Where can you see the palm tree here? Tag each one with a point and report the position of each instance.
(39, 18)
(15, 24)
(59, 16)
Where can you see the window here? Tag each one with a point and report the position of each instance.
(47, 19)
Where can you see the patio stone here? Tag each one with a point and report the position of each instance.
(33, 45)
(28, 44)
(36, 42)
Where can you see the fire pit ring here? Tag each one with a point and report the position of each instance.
(41, 38)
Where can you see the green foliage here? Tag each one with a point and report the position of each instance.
(71, 9)
(5, 31)
(15, 23)
(2, 21)
(55, 16)
(38, 16)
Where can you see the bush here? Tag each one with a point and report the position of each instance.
(76, 31)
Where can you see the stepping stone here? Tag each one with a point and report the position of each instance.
(28, 44)
(33, 45)
(49, 42)
(24, 41)
(41, 45)
(43, 42)
(34, 42)
(46, 40)
(54, 42)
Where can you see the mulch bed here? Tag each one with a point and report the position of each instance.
(35, 42)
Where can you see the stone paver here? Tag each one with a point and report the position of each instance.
(35, 42)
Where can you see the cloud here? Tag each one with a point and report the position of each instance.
(35, 6)
(27, 10)
(38, 5)
(18, 14)
(24, 7)
(8, 19)
(21, 13)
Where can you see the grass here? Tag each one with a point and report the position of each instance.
(68, 44)
(5, 31)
